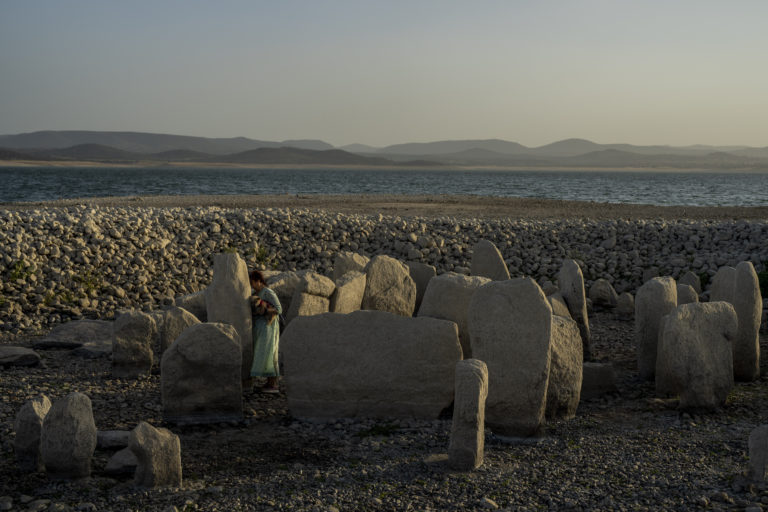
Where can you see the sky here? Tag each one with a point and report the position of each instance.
(390, 71)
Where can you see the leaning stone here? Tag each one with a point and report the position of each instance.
(227, 300)
(447, 297)
(18, 356)
(69, 437)
(510, 326)
(74, 334)
(692, 280)
(686, 294)
(369, 364)
(158, 456)
(421, 273)
(758, 453)
(28, 426)
(625, 307)
(389, 286)
(200, 380)
(559, 307)
(175, 321)
(602, 295)
(133, 335)
(468, 428)
(488, 262)
(112, 439)
(571, 283)
(598, 379)
(695, 356)
(748, 304)
(195, 304)
(565, 369)
(348, 295)
(122, 463)
(348, 261)
(654, 299)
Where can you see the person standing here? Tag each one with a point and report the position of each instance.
(265, 307)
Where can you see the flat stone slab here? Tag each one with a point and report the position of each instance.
(18, 356)
(93, 349)
(75, 334)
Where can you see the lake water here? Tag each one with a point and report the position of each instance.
(642, 187)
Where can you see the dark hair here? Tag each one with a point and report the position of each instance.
(257, 276)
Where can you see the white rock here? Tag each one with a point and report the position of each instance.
(348, 296)
(389, 287)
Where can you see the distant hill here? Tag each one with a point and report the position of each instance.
(454, 146)
(287, 155)
(89, 152)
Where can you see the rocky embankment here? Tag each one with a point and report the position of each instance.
(70, 262)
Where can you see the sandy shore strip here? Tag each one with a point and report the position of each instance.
(421, 205)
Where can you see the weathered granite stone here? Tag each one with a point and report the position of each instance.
(602, 295)
(369, 364)
(133, 335)
(447, 297)
(488, 262)
(510, 326)
(468, 428)
(94, 349)
(348, 295)
(758, 453)
(112, 439)
(28, 426)
(158, 456)
(389, 286)
(625, 308)
(656, 298)
(304, 304)
(18, 356)
(550, 288)
(559, 307)
(195, 304)
(200, 377)
(691, 280)
(571, 283)
(74, 334)
(695, 356)
(313, 283)
(598, 379)
(565, 369)
(686, 294)
(721, 287)
(346, 261)
(122, 463)
(68, 437)
(421, 273)
(227, 301)
(284, 285)
(175, 321)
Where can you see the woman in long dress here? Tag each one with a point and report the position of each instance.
(266, 331)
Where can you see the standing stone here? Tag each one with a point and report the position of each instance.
(598, 379)
(602, 295)
(656, 298)
(559, 307)
(758, 453)
(69, 437)
(316, 284)
(200, 376)
(488, 262)
(348, 261)
(421, 273)
(722, 284)
(625, 308)
(348, 296)
(158, 456)
(468, 429)
(691, 280)
(565, 369)
(227, 301)
(133, 336)
(304, 304)
(571, 283)
(510, 325)
(284, 285)
(122, 463)
(175, 321)
(686, 294)
(369, 364)
(447, 297)
(694, 354)
(389, 286)
(28, 425)
(195, 304)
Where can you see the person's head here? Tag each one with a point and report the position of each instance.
(257, 280)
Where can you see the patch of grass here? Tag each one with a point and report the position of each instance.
(49, 298)
(384, 429)
(230, 250)
(90, 280)
(20, 270)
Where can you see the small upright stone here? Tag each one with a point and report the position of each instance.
(348, 295)
(468, 429)
(691, 280)
(571, 282)
(758, 453)
(69, 437)
(656, 298)
(133, 337)
(28, 426)
(602, 295)
(311, 296)
(389, 286)
(686, 294)
(559, 307)
(625, 308)
(347, 261)
(195, 304)
(565, 369)
(158, 456)
(421, 273)
(176, 320)
(488, 262)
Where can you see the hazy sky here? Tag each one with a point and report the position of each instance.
(384, 72)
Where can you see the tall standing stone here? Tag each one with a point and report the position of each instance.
(571, 282)
(227, 302)
(421, 273)
(28, 426)
(510, 325)
(134, 334)
(468, 429)
(758, 453)
(69, 437)
(565, 369)
(200, 376)
(389, 286)
(158, 456)
(488, 262)
(656, 298)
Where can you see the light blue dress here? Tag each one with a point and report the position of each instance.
(266, 338)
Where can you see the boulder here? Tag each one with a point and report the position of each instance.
(68, 437)
(74, 334)
(133, 335)
(656, 298)
(467, 446)
(158, 456)
(549, 288)
(389, 286)
(227, 301)
(313, 283)
(284, 285)
(421, 273)
(602, 295)
(447, 297)
(565, 369)
(488, 262)
(200, 380)
(94, 349)
(304, 304)
(28, 426)
(598, 379)
(195, 304)
(758, 453)
(175, 321)
(112, 439)
(510, 326)
(348, 295)
(18, 356)
(346, 261)
(122, 463)
(369, 364)
(571, 283)
(686, 294)
(559, 306)
(625, 307)
(695, 356)
(691, 280)
(721, 287)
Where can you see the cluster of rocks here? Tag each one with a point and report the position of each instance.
(63, 263)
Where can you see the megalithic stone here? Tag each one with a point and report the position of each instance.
(468, 430)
